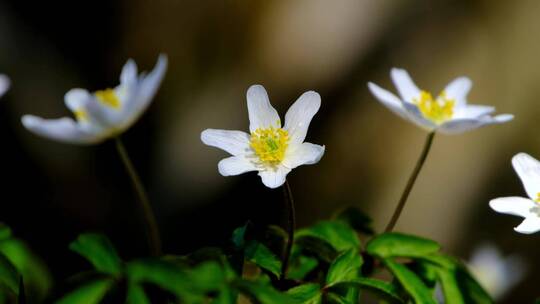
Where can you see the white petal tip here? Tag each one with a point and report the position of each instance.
(524, 231)
(502, 118)
(30, 121)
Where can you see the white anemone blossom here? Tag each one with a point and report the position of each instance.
(4, 84)
(528, 170)
(498, 274)
(271, 149)
(102, 114)
(449, 113)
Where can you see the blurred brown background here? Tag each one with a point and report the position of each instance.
(216, 50)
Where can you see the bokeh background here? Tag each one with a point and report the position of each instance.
(51, 192)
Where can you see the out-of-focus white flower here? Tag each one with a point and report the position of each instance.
(103, 114)
(448, 113)
(4, 84)
(528, 170)
(497, 274)
(270, 149)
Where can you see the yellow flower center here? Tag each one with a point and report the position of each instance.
(80, 114)
(537, 198)
(437, 110)
(108, 97)
(270, 144)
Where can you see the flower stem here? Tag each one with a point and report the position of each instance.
(410, 182)
(291, 222)
(149, 220)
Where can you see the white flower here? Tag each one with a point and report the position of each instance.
(270, 149)
(497, 274)
(528, 170)
(4, 84)
(448, 113)
(102, 114)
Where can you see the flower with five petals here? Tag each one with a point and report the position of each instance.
(447, 113)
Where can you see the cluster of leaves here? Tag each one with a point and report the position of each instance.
(328, 264)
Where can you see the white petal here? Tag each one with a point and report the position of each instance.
(458, 90)
(4, 84)
(513, 205)
(528, 170)
(77, 99)
(260, 111)
(472, 111)
(129, 73)
(234, 142)
(415, 116)
(140, 96)
(299, 116)
(460, 125)
(63, 129)
(404, 84)
(274, 177)
(303, 154)
(388, 99)
(529, 225)
(235, 165)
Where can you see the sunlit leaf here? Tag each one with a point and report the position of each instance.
(336, 233)
(259, 254)
(307, 293)
(99, 251)
(401, 245)
(410, 282)
(263, 293)
(385, 290)
(90, 293)
(344, 268)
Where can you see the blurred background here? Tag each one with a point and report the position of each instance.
(217, 49)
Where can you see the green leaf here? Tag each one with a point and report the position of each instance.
(36, 276)
(383, 289)
(401, 245)
(308, 293)
(338, 234)
(262, 293)
(344, 268)
(136, 295)
(226, 295)
(99, 251)
(333, 298)
(410, 282)
(9, 276)
(238, 236)
(317, 247)
(355, 218)
(191, 285)
(450, 287)
(88, 294)
(301, 266)
(259, 254)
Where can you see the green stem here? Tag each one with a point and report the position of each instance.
(150, 225)
(410, 182)
(291, 222)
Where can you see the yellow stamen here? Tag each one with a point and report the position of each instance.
(537, 197)
(81, 115)
(109, 98)
(437, 110)
(270, 144)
